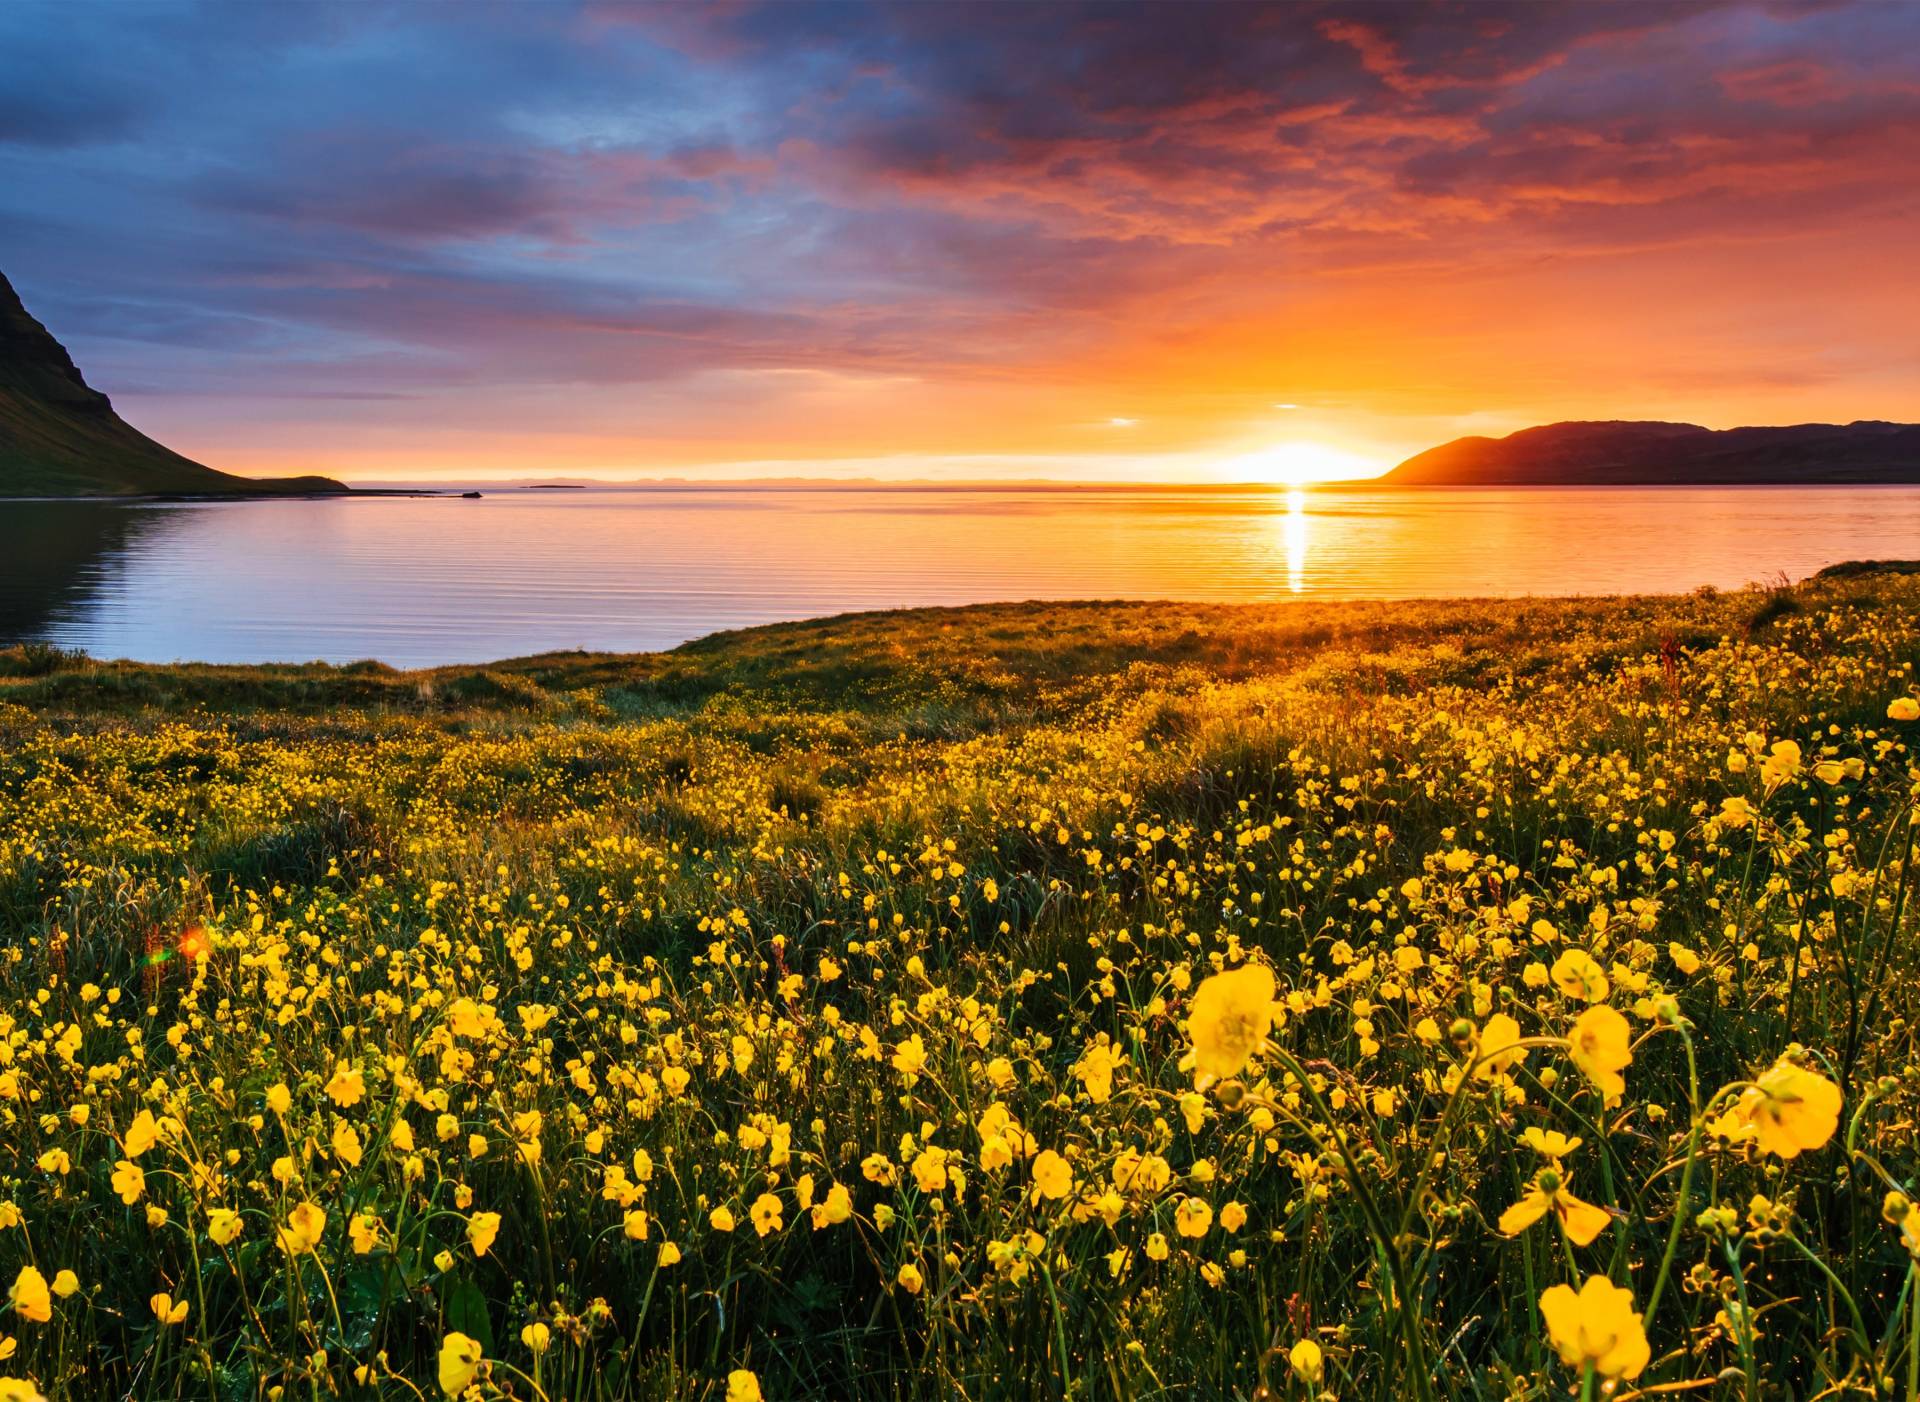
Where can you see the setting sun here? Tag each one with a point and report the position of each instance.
(1291, 464)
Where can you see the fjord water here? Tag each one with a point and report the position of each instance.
(423, 581)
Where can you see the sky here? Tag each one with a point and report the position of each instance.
(1186, 242)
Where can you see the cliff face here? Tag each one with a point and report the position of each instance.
(61, 437)
(1657, 454)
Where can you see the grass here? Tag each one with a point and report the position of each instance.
(810, 1003)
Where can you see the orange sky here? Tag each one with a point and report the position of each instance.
(905, 241)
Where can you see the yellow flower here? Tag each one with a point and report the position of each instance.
(129, 1181)
(1577, 976)
(1308, 1363)
(482, 1228)
(1233, 1217)
(669, 1254)
(19, 1390)
(1052, 1177)
(1231, 1015)
(634, 1224)
(1600, 1048)
(1903, 708)
(168, 1310)
(65, 1284)
(279, 1098)
(1498, 1054)
(346, 1144)
(459, 1363)
(910, 1056)
(930, 1169)
(1791, 1109)
(742, 1386)
(1781, 764)
(833, 1209)
(765, 1214)
(305, 1226)
(348, 1086)
(909, 1279)
(141, 1134)
(536, 1337)
(1192, 1217)
(363, 1229)
(1095, 1070)
(1596, 1328)
(223, 1225)
(1549, 1143)
(721, 1218)
(29, 1296)
(1582, 1221)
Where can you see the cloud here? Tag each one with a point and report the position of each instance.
(344, 203)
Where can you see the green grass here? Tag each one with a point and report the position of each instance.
(1020, 834)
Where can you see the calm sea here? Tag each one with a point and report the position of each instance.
(420, 582)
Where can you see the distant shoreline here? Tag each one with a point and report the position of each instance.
(869, 484)
(455, 491)
(150, 498)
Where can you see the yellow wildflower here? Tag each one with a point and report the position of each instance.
(1231, 1015)
(1600, 1044)
(460, 1359)
(1791, 1109)
(1596, 1328)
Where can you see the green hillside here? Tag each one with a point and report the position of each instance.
(60, 437)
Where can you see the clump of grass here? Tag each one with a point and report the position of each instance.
(35, 659)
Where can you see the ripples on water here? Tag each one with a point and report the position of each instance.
(424, 581)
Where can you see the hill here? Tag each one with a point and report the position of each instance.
(61, 437)
(1615, 453)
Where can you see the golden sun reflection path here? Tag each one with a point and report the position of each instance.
(1293, 539)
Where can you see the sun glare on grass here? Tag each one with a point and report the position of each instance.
(1294, 464)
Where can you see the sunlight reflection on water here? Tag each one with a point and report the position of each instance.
(419, 582)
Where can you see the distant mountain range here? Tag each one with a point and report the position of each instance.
(61, 438)
(1638, 454)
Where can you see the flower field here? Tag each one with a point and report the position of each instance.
(1466, 1001)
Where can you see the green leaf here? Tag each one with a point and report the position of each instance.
(467, 1313)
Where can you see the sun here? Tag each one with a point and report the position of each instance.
(1297, 462)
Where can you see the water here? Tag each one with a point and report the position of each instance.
(422, 582)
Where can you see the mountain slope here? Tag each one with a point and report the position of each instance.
(1652, 454)
(60, 437)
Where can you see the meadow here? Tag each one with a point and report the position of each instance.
(1479, 1000)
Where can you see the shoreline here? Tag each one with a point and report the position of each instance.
(1843, 575)
(464, 490)
(148, 498)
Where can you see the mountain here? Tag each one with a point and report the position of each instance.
(60, 437)
(1654, 454)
